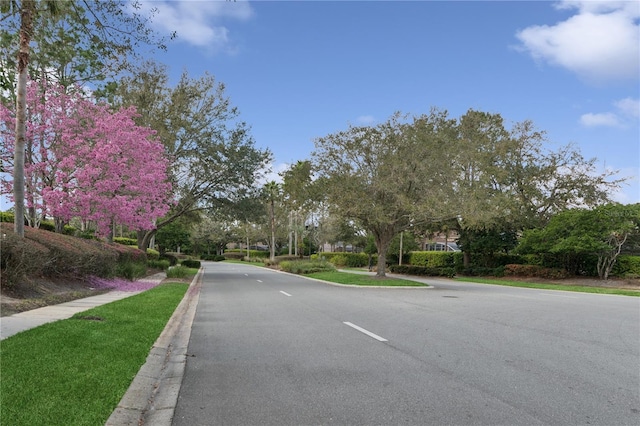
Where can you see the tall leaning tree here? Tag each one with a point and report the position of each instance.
(110, 27)
(388, 177)
(215, 161)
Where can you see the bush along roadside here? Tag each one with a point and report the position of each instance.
(48, 254)
(423, 271)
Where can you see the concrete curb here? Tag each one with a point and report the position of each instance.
(153, 395)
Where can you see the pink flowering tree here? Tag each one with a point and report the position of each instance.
(86, 161)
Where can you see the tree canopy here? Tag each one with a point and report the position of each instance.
(471, 173)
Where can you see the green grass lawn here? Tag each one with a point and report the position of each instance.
(363, 280)
(76, 371)
(244, 262)
(581, 289)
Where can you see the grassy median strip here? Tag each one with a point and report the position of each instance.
(363, 280)
(75, 371)
(564, 287)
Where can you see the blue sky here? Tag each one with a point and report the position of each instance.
(299, 70)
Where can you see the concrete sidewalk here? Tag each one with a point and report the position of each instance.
(22, 321)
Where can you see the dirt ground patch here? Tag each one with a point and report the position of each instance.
(38, 292)
(33, 293)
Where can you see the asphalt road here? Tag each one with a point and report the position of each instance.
(269, 348)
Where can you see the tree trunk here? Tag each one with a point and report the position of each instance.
(144, 238)
(466, 259)
(26, 30)
(272, 249)
(383, 240)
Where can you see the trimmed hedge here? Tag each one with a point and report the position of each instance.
(435, 259)
(56, 255)
(350, 260)
(306, 266)
(212, 257)
(126, 241)
(233, 255)
(153, 254)
(189, 263)
(423, 270)
(252, 253)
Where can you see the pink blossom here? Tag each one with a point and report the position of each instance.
(84, 160)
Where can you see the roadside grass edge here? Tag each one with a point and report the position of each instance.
(551, 286)
(75, 371)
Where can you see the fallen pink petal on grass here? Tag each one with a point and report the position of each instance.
(120, 284)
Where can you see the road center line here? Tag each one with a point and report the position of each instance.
(259, 281)
(367, 332)
(285, 293)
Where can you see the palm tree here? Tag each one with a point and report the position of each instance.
(27, 10)
(271, 192)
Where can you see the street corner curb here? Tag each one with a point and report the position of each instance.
(153, 393)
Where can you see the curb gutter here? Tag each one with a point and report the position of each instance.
(153, 395)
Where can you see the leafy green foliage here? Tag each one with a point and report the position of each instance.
(181, 271)
(306, 266)
(351, 260)
(435, 259)
(423, 270)
(126, 241)
(577, 233)
(190, 263)
(158, 264)
(627, 266)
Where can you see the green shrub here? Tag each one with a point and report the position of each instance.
(178, 272)
(339, 260)
(7, 217)
(423, 270)
(252, 253)
(130, 270)
(169, 257)
(47, 225)
(126, 241)
(351, 260)
(67, 256)
(190, 263)
(153, 254)
(433, 259)
(158, 264)
(306, 266)
(69, 230)
(535, 271)
(20, 258)
(627, 266)
(213, 257)
(235, 255)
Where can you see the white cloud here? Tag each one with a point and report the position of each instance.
(600, 43)
(627, 111)
(198, 21)
(365, 119)
(600, 119)
(628, 107)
